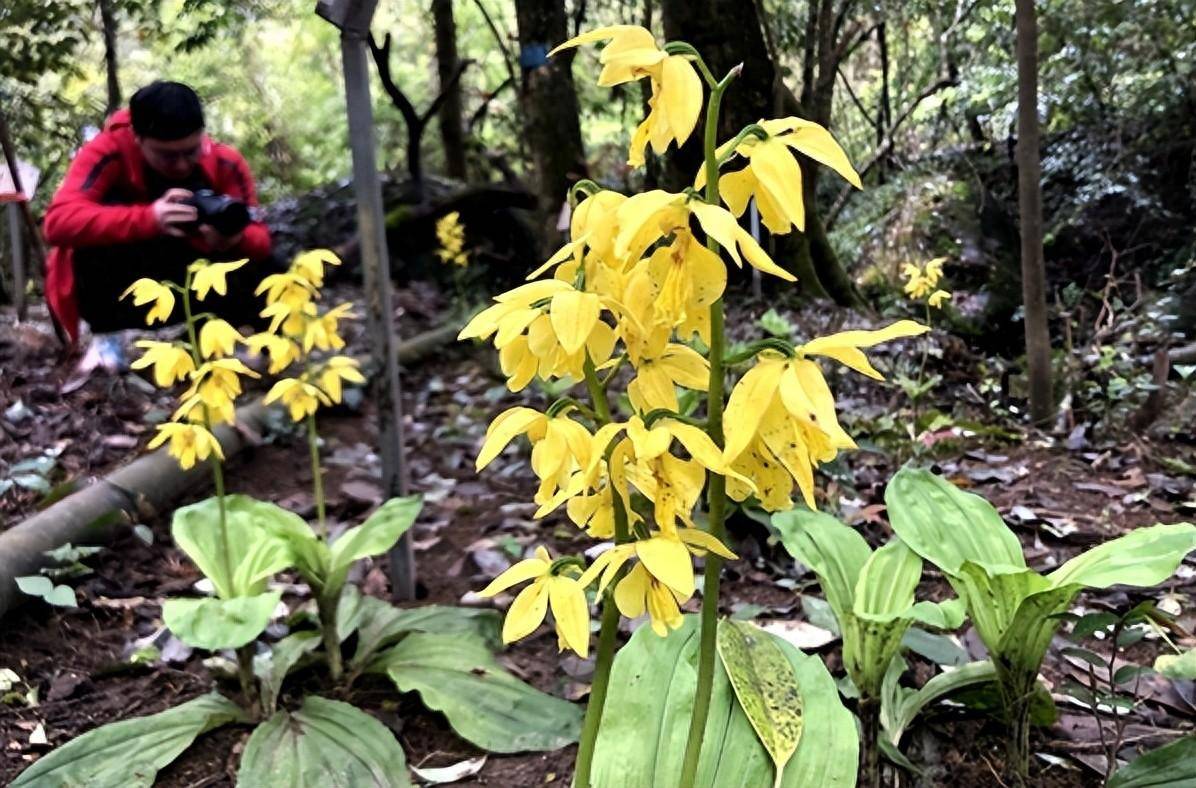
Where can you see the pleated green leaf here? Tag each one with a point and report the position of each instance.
(900, 706)
(273, 668)
(947, 526)
(459, 676)
(836, 552)
(129, 754)
(1143, 557)
(765, 685)
(1177, 666)
(255, 551)
(325, 743)
(646, 720)
(213, 624)
(373, 537)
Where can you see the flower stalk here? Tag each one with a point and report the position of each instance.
(716, 495)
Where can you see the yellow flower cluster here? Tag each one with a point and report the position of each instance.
(635, 284)
(204, 361)
(451, 235)
(298, 328)
(921, 282)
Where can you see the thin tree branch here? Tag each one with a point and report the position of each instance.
(446, 89)
(480, 113)
(397, 97)
(887, 147)
(508, 58)
(874, 122)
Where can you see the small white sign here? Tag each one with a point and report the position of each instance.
(29, 177)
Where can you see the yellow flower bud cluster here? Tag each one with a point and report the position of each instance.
(204, 361)
(450, 233)
(921, 282)
(298, 329)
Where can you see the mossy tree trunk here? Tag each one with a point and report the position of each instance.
(550, 108)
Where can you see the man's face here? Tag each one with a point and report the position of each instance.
(174, 159)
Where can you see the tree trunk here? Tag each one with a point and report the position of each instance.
(729, 32)
(550, 108)
(1029, 176)
(884, 112)
(108, 19)
(451, 128)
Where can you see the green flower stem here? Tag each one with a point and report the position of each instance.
(609, 630)
(717, 492)
(328, 600)
(317, 473)
(244, 653)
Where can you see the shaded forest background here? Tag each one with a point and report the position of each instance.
(922, 95)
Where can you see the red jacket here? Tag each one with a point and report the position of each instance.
(110, 168)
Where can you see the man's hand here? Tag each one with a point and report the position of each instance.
(171, 213)
(215, 241)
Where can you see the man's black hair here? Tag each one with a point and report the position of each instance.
(166, 111)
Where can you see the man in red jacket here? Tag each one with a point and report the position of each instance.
(125, 211)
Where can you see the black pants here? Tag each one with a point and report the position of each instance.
(102, 273)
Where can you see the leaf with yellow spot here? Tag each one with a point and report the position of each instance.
(765, 685)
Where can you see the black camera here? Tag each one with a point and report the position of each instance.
(219, 211)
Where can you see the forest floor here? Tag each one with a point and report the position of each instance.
(1060, 496)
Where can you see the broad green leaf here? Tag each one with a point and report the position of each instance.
(646, 721)
(1177, 666)
(1170, 766)
(836, 552)
(885, 588)
(765, 685)
(459, 676)
(42, 586)
(379, 624)
(272, 669)
(325, 743)
(129, 754)
(947, 526)
(375, 536)
(213, 624)
(254, 551)
(993, 600)
(948, 614)
(939, 649)
(1144, 557)
(901, 706)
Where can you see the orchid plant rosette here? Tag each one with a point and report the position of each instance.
(641, 282)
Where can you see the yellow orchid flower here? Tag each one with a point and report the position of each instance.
(650, 216)
(288, 288)
(188, 443)
(171, 362)
(592, 230)
(642, 459)
(309, 265)
(676, 100)
(301, 398)
(562, 326)
(561, 448)
(322, 333)
(218, 338)
(676, 285)
(773, 175)
(641, 592)
(282, 351)
(215, 386)
(335, 370)
(291, 318)
(657, 375)
(549, 589)
(450, 233)
(206, 276)
(149, 291)
(787, 404)
(936, 299)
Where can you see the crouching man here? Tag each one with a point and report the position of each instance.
(145, 198)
